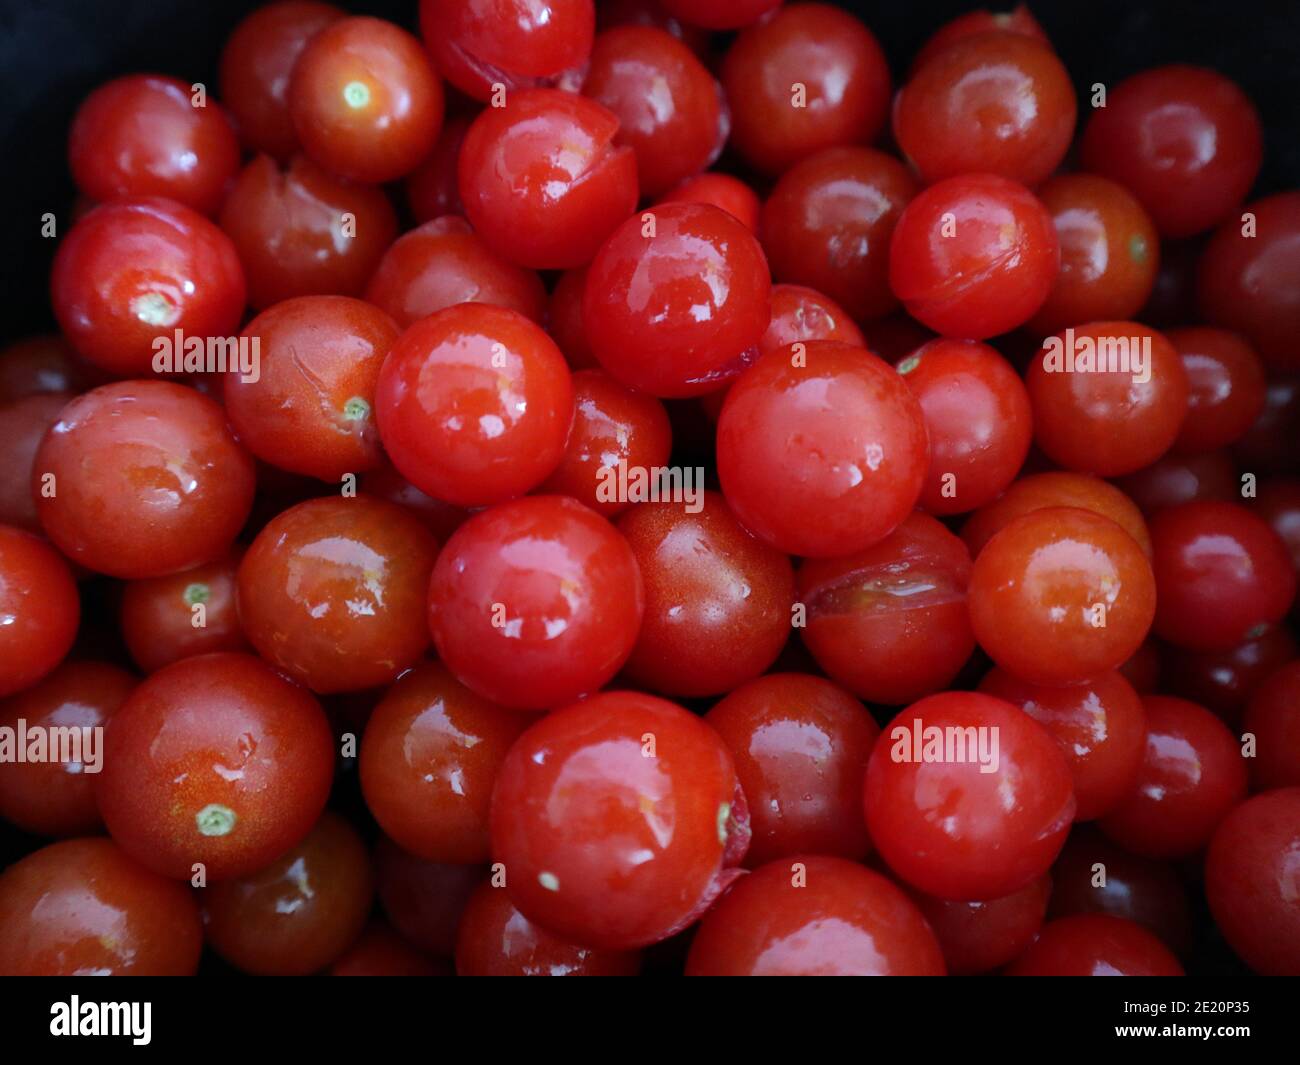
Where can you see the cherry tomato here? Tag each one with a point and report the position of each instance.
(53, 797)
(800, 744)
(1250, 880)
(800, 313)
(977, 937)
(719, 14)
(1110, 252)
(535, 602)
(1177, 479)
(542, 180)
(298, 914)
(564, 319)
(514, 44)
(721, 190)
(83, 908)
(1108, 397)
(1055, 489)
(423, 900)
(365, 101)
(382, 952)
(1278, 503)
(42, 364)
(433, 188)
(429, 757)
(1192, 774)
(475, 404)
(999, 102)
(495, 939)
(1186, 141)
(1243, 281)
(829, 221)
(332, 592)
(947, 823)
(973, 256)
(617, 819)
(1060, 595)
(165, 619)
(1093, 944)
(444, 262)
(1018, 20)
(810, 77)
(1147, 892)
(677, 299)
(821, 449)
(1100, 726)
(142, 479)
(1225, 394)
(1223, 575)
(717, 600)
(133, 272)
(1273, 718)
(150, 135)
(256, 63)
(215, 762)
(890, 623)
(670, 109)
(1224, 681)
(311, 409)
(39, 606)
(613, 429)
(1267, 445)
(814, 916)
(301, 232)
(1142, 670)
(441, 519)
(23, 424)
(978, 420)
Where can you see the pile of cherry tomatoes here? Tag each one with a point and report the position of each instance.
(958, 637)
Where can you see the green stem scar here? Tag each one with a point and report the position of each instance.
(1137, 248)
(215, 820)
(196, 593)
(724, 815)
(356, 93)
(356, 409)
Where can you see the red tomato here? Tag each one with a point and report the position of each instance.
(978, 937)
(1095, 945)
(721, 190)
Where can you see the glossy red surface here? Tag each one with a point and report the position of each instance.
(39, 607)
(23, 423)
(1225, 388)
(978, 937)
(1095, 945)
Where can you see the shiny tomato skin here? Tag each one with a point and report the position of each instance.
(1222, 573)
(132, 271)
(814, 916)
(978, 937)
(475, 404)
(954, 831)
(1225, 681)
(671, 110)
(828, 224)
(1185, 140)
(542, 181)
(891, 622)
(1249, 880)
(800, 744)
(722, 190)
(495, 939)
(1192, 775)
(84, 908)
(148, 480)
(299, 913)
(365, 101)
(821, 449)
(40, 606)
(717, 599)
(311, 410)
(1225, 382)
(290, 225)
(677, 299)
(800, 313)
(433, 187)
(54, 798)
(23, 423)
(1107, 421)
(167, 793)
(973, 256)
(429, 757)
(1043, 583)
(977, 417)
(612, 427)
(144, 135)
(536, 602)
(605, 844)
(1100, 726)
(1177, 479)
(255, 67)
(832, 57)
(999, 102)
(332, 592)
(159, 621)
(1018, 20)
(1095, 945)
